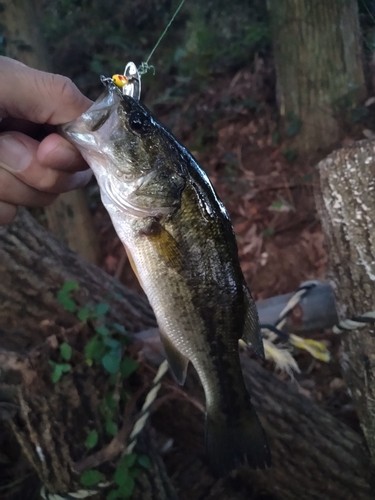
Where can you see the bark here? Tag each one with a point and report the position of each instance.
(314, 455)
(68, 217)
(33, 267)
(317, 49)
(347, 208)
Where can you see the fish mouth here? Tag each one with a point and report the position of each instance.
(80, 131)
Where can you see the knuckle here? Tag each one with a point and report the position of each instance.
(68, 92)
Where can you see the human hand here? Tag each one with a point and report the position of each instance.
(36, 164)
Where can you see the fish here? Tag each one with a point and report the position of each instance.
(181, 244)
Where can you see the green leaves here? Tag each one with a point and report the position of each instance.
(92, 439)
(102, 330)
(111, 362)
(101, 309)
(127, 367)
(105, 349)
(91, 477)
(65, 351)
(126, 486)
(124, 476)
(144, 462)
(58, 369)
(118, 328)
(64, 296)
(129, 460)
(127, 470)
(84, 314)
(95, 349)
(111, 428)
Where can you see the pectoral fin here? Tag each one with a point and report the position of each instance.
(251, 333)
(165, 245)
(178, 363)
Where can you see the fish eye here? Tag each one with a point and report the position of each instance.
(139, 122)
(98, 120)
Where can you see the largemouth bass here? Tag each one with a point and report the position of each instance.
(181, 244)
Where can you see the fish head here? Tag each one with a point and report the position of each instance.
(137, 165)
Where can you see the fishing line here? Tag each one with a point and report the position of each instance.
(144, 67)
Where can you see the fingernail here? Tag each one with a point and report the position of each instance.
(14, 155)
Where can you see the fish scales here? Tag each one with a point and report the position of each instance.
(181, 244)
(210, 312)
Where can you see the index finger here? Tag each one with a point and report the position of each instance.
(38, 96)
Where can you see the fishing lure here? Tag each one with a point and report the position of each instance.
(130, 82)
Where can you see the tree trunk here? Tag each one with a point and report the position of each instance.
(347, 210)
(68, 217)
(317, 49)
(313, 453)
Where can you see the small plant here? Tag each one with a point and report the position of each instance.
(58, 369)
(106, 350)
(127, 470)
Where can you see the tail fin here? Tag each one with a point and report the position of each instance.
(230, 443)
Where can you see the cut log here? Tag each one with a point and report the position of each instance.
(346, 202)
(314, 455)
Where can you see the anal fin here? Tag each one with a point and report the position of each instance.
(251, 333)
(178, 363)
